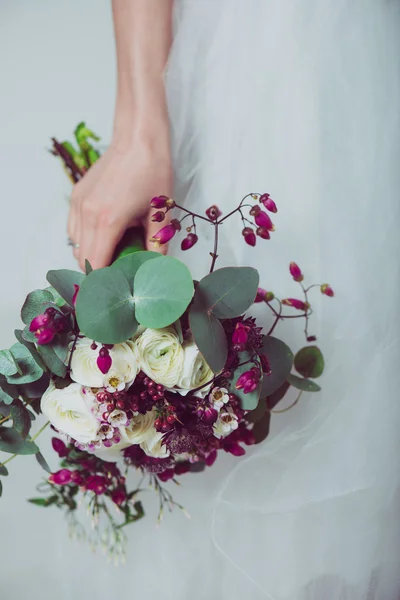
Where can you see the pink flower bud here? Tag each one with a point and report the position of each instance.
(77, 478)
(104, 362)
(166, 475)
(263, 233)
(297, 304)
(295, 272)
(59, 447)
(255, 210)
(263, 220)
(97, 484)
(76, 287)
(61, 477)
(213, 212)
(118, 496)
(166, 233)
(211, 458)
(240, 335)
(158, 216)
(248, 380)
(45, 336)
(207, 414)
(38, 322)
(268, 203)
(264, 296)
(327, 290)
(234, 448)
(181, 468)
(249, 236)
(159, 202)
(189, 241)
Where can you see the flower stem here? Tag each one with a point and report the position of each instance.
(214, 253)
(283, 410)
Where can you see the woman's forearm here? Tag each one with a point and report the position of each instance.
(143, 33)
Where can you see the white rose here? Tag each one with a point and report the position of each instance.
(153, 445)
(69, 410)
(195, 371)
(160, 355)
(84, 369)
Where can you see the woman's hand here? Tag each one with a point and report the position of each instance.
(114, 195)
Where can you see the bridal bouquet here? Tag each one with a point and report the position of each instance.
(137, 367)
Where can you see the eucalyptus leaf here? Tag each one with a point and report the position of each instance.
(29, 368)
(258, 413)
(13, 443)
(52, 361)
(105, 307)
(228, 292)
(30, 346)
(43, 501)
(5, 410)
(163, 289)
(209, 336)
(1, 489)
(57, 299)
(42, 462)
(306, 385)
(60, 346)
(3, 471)
(88, 267)
(34, 390)
(280, 359)
(7, 392)
(33, 305)
(130, 264)
(21, 418)
(63, 281)
(278, 395)
(28, 336)
(309, 362)
(247, 401)
(261, 428)
(8, 364)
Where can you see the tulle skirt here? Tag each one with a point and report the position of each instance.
(301, 99)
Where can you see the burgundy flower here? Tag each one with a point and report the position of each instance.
(327, 290)
(295, 272)
(61, 477)
(211, 458)
(268, 203)
(166, 475)
(182, 467)
(249, 236)
(234, 448)
(97, 484)
(162, 202)
(213, 212)
(45, 336)
(104, 361)
(39, 322)
(255, 210)
(59, 447)
(263, 233)
(240, 335)
(207, 414)
(77, 478)
(248, 380)
(263, 220)
(165, 234)
(189, 241)
(297, 304)
(158, 216)
(118, 496)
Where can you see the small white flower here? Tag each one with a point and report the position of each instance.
(84, 369)
(69, 410)
(114, 382)
(117, 418)
(226, 423)
(218, 397)
(106, 432)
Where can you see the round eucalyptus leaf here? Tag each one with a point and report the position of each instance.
(7, 392)
(163, 289)
(280, 358)
(129, 264)
(28, 367)
(309, 362)
(228, 292)
(8, 364)
(33, 305)
(63, 281)
(11, 441)
(21, 418)
(209, 336)
(306, 385)
(104, 307)
(52, 361)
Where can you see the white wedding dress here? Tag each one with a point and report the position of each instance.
(298, 98)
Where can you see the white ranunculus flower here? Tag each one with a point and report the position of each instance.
(153, 445)
(69, 410)
(84, 369)
(195, 371)
(160, 355)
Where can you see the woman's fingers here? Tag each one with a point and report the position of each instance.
(74, 225)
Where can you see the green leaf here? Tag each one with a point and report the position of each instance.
(88, 267)
(57, 299)
(30, 346)
(63, 282)
(13, 443)
(28, 336)
(247, 401)
(228, 292)
(52, 361)
(33, 305)
(21, 418)
(3, 470)
(278, 395)
(163, 289)
(132, 241)
(7, 392)
(209, 336)
(130, 263)
(43, 501)
(258, 413)
(261, 428)
(1, 489)
(34, 390)
(306, 385)
(29, 368)
(105, 308)
(42, 462)
(309, 362)
(280, 358)
(8, 365)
